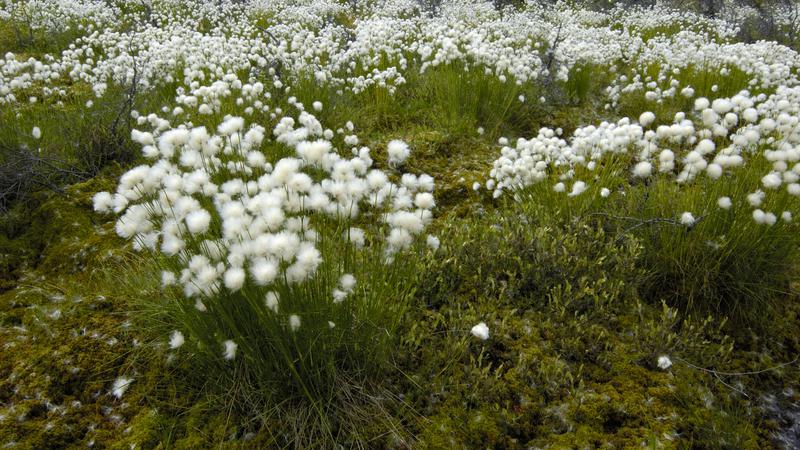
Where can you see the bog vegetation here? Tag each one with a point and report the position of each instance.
(402, 224)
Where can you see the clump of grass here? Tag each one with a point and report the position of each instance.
(723, 262)
(68, 137)
(584, 82)
(684, 85)
(287, 277)
(459, 100)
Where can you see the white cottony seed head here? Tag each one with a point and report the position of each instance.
(176, 339)
(121, 385)
(294, 322)
(480, 331)
(230, 349)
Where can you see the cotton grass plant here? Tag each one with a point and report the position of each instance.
(711, 194)
(727, 260)
(286, 267)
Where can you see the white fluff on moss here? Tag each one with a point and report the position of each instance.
(480, 331)
(102, 202)
(120, 385)
(424, 200)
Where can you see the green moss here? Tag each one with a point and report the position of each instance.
(56, 233)
(142, 431)
(63, 327)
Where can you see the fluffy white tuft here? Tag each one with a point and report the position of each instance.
(121, 385)
(398, 152)
(294, 322)
(230, 349)
(643, 169)
(176, 339)
(480, 331)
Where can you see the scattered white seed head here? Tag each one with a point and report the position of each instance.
(176, 339)
(230, 349)
(480, 331)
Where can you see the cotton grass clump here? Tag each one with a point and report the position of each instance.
(293, 269)
(707, 194)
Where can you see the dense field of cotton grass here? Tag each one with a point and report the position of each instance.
(399, 224)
